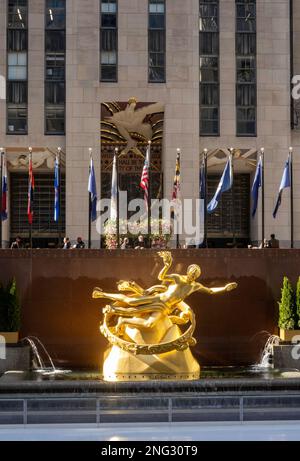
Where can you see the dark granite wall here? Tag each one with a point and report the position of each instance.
(57, 307)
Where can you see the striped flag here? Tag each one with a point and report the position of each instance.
(176, 195)
(145, 176)
(30, 191)
(114, 191)
(4, 190)
(57, 189)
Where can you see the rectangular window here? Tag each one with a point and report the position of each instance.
(17, 14)
(209, 68)
(43, 225)
(55, 57)
(157, 41)
(246, 87)
(109, 41)
(17, 49)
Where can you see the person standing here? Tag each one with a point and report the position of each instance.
(17, 244)
(67, 243)
(273, 242)
(79, 244)
(125, 244)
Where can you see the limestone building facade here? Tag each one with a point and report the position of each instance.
(222, 69)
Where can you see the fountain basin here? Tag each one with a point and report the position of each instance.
(18, 357)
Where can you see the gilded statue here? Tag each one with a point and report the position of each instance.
(143, 326)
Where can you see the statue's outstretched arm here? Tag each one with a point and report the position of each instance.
(213, 291)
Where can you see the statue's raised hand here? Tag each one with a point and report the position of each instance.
(98, 293)
(166, 256)
(231, 286)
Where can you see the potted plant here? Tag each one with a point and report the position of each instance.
(287, 312)
(10, 312)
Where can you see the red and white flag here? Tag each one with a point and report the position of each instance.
(145, 176)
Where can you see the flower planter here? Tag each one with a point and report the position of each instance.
(288, 335)
(10, 337)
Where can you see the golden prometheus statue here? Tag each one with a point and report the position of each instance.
(143, 327)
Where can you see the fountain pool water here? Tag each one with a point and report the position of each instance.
(38, 361)
(266, 360)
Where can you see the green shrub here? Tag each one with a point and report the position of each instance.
(287, 306)
(10, 309)
(298, 301)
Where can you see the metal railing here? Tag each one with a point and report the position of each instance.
(149, 408)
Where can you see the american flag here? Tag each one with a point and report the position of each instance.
(30, 192)
(176, 188)
(145, 176)
(176, 195)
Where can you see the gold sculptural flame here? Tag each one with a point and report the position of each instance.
(143, 327)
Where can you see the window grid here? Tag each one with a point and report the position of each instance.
(246, 86)
(157, 41)
(55, 54)
(209, 68)
(17, 69)
(108, 40)
(43, 205)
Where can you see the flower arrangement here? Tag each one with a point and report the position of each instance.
(161, 232)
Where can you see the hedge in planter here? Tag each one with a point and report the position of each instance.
(298, 302)
(287, 306)
(10, 310)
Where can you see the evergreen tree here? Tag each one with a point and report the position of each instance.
(298, 302)
(10, 309)
(287, 306)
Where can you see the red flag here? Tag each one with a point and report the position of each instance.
(30, 192)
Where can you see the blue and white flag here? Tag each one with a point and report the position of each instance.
(285, 182)
(257, 183)
(57, 189)
(93, 191)
(224, 185)
(114, 191)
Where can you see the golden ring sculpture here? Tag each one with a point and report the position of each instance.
(143, 326)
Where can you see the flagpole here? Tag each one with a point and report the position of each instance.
(149, 195)
(118, 197)
(90, 207)
(30, 224)
(1, 186)
(177, 236)
(262, 154)
(232, 203)
(205, 199)
(292, 197)
(59, 198)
